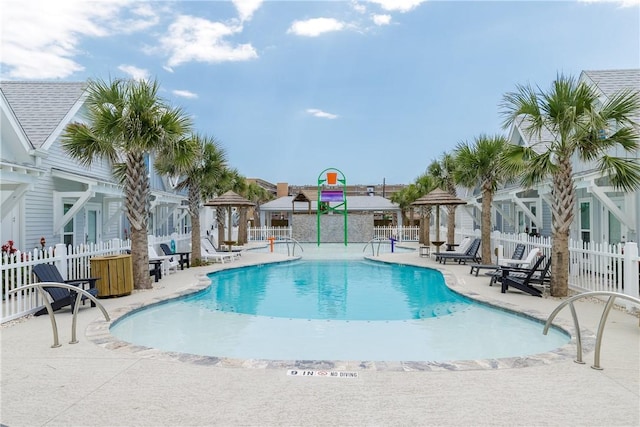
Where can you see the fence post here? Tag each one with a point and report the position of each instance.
(496, 239)
(61, 260)
(631, 273)
(116, 245)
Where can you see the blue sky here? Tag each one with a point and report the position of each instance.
(378, 89)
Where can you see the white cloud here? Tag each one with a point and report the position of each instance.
(40, 38)
(167, 69)
(316, 26)
(359, 7)
(185, 94)
(246, 8)
(398, 5)
(381, 19)
(191, 38)
(322, 114)
(135, 72)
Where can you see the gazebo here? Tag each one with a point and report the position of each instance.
(438, 198)
(230, 200)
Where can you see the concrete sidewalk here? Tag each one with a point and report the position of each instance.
(92, 383)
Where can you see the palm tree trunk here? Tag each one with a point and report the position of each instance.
(422, 226)
(451, 224)
(485, 233)
(427, 226)
(563, 197)
(194, 213)
(242, 226)
(221, 214)
(136, 202)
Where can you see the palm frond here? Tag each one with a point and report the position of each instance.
(624, 173)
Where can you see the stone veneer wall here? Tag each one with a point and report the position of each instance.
(359, 228)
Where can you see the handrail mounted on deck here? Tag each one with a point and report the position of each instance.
(79, 292)
(603, 319)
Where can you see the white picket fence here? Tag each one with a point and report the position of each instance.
(258, 234)
(593, 267)
(73, 262)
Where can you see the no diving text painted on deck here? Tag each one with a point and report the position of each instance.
(319, 373)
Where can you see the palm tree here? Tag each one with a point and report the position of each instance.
(199, 164)
(257, 195)
(581, 128)
(443, 173)
(404, 198)
(479, 165)
(425, 184)
(126, 121)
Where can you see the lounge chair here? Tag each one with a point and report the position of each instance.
(169, 263)
(525, 279)
(518, 253)
(62, 297)
(526, 263)
(462, 248)
(471, 254)
(183, 256)
(209, 252)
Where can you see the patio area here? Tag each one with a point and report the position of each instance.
(94, 383)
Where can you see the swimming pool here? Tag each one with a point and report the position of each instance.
(434, 323)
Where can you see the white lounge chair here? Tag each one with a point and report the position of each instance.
(169, 262)
(208, 251)
(527, 262)
(462, 248)
(522, 263)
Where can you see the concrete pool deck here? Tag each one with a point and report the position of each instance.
(93, 383)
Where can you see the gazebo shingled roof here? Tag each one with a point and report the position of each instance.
(229, 199)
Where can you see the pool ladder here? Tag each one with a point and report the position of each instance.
(603, 319)
(371, 242)
(291, 245)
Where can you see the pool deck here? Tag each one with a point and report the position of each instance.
(102, 382)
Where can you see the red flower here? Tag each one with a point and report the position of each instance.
(8, 248)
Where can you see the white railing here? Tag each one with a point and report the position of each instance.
(262, 234)
(404, 234)
(592, 267)
(73, 262)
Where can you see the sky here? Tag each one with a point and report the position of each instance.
(376, 89)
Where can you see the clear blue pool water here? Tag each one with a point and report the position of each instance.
(333, 290)
(352, 310)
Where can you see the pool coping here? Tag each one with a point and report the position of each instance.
(99, 333)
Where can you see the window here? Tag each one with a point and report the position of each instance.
(585, 221)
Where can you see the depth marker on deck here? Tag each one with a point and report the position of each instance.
(321, 373)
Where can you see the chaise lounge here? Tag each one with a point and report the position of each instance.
(210, 252)
(471, 254)
(517, 255)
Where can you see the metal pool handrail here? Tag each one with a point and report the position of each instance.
(603, 319)
(79, 292)
(295, 243)
(371, 242)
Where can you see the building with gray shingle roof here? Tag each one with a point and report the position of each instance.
(603, 214)
(42, 106)
(46, 193)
